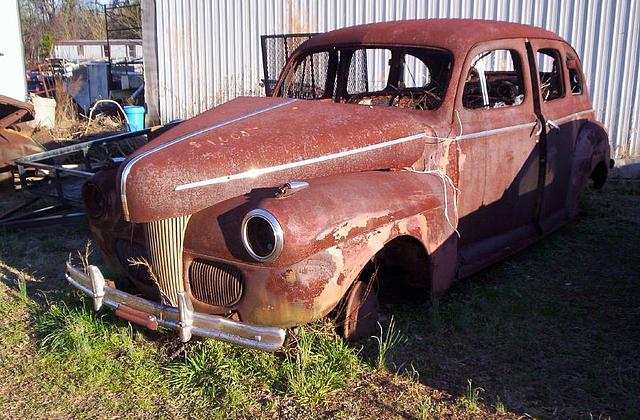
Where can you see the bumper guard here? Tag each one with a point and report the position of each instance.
(183, 318)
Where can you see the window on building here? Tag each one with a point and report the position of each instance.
(550, 70)
(80, 50)
(131, 51)
(494, 80)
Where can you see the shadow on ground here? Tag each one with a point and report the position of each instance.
(551, 332)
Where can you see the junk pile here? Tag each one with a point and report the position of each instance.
(13, 142)
(51, 170)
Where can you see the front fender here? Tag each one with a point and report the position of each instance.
(331, 230)
(330, 211)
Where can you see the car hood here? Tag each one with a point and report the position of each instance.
(251, 143)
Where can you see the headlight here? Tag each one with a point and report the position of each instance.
(262, 235)
(95, 201)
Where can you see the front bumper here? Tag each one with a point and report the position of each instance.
(182, 318)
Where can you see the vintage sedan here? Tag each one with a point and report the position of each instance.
(391, 155)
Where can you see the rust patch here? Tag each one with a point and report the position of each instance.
(296, 291)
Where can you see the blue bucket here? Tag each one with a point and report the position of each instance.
(135, 114)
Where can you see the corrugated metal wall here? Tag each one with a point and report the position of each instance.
(208, 51)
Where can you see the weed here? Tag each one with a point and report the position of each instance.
(22, 288)
(386, 342)
(500, 407)
(84, 256)
(427, 408)
(470, 401)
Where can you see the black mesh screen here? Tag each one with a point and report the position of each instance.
(358, 76)
(276, 49)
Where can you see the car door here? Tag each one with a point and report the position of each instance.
(562, 114)
(499, 163)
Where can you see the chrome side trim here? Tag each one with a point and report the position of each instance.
(129, 165)
(258, 172)
(495, 131)
(182, 318)
(574, 115)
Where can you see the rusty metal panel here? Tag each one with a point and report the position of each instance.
(209, 52)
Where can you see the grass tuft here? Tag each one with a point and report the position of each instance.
(22, 288)
(72, 329)
(470, 401)
(221, 375)
(428, 409)
(500, 407)
(320, 364)
(386, 342)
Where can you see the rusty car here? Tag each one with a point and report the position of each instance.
(403, 154)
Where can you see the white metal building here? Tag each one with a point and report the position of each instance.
(199, 53)
(12, 74)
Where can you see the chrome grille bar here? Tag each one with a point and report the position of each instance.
(164, 240)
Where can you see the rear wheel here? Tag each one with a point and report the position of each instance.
(599, 175)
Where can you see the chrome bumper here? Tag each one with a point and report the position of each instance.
(182, 318)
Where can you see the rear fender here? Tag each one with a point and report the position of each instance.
(592, 149)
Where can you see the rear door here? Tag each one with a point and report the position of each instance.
(561, 115)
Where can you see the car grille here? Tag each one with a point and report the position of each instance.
(164, 239)
(215, 283)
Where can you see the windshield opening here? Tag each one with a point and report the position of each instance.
(375, 76)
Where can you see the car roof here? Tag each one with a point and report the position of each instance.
(456, 35)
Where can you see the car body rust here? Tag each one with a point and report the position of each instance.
(431, 183)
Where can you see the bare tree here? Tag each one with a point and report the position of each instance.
(47, 21)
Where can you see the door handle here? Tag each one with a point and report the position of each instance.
(552, 125)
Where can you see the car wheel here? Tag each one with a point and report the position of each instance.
(360, 317)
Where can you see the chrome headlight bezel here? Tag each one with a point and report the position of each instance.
(278, 235)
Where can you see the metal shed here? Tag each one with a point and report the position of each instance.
(201, 53)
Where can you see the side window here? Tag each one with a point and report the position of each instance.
(550, 69)
(368, 70)
(494, 80)
(415, 73)
(575, 77)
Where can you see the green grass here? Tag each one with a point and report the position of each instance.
(319, 364)
(551, 332)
